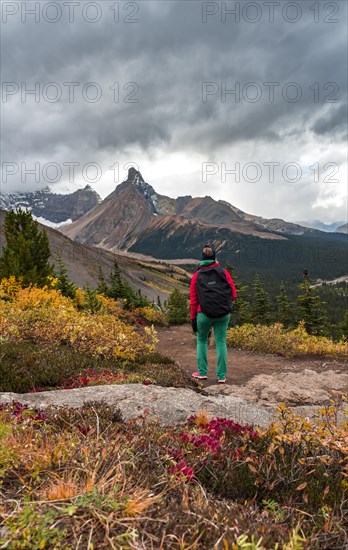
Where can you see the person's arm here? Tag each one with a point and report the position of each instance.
(193, 297)
(231, 283)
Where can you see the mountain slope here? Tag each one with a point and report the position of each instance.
(83, 262)
(342, 229)
(121, 214)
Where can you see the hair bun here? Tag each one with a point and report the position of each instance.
(208, 252)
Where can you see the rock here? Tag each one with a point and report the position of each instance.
(309, 387)
(168, 406)
(239, 391)
(306, 388)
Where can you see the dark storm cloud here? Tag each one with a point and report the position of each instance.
(334, 122)
(169, 54)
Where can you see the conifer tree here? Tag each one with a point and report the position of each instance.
(67, 287)
(92, 302)
(241, 312)
(102, 287)
(261, 305)
(116, 288)
(309, 307)
(284, 307)
(119, 288)
(177, 308)
(27, 250)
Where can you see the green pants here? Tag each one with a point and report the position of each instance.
(220, 325)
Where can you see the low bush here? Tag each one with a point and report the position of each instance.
(45, 317)
(27, 367)
(85, 478)
(289, 343)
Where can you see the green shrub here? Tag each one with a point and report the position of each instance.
(24, 367)
(177, 308)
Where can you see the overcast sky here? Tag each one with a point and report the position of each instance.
(150, 83)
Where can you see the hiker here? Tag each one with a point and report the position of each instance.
(212, 291)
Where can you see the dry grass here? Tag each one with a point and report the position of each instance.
(114, 486)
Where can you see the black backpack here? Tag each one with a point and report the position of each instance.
(214, 292)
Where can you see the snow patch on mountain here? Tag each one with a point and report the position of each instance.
(51, 224)
(50, 207)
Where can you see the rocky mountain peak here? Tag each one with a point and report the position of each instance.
(134, 177)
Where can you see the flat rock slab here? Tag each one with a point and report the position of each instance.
(168, 406)
(306, 388)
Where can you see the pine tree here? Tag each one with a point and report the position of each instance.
(309, 307)
(27, 250)
(115, 289)
(241, 312)
(284, 307)
(261, 305)
(102, 287)
(177, 308)
(64, 284)
(119, 288)
(92, 302)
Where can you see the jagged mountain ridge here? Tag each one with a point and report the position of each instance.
(52, 207)
(135, 210)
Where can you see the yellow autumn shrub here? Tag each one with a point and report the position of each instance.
(33, 297)
(79, 298)
(105, 335)
(288, 342)
(152, 315)
(45, 317)
(111, 306)
(9, 287)
(322, 432)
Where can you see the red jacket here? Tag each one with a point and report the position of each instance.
(194, 304)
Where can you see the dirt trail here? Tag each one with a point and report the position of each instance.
(179, 343)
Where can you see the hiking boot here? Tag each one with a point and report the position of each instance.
(199, 376)
(222, 381)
